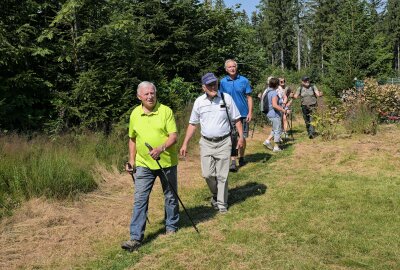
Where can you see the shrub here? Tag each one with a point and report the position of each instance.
(361, 120)
(327, 120)
(384, 99)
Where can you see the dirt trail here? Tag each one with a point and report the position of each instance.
(43, 233)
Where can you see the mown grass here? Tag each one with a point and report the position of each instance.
(60, 168)
(283, 215)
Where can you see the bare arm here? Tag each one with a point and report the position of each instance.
(317, 92)
(132, 153)
(239, 128)
(275, 104)
(189, 134)
(250, 104)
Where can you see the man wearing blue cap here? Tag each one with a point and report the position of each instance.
(214, 111)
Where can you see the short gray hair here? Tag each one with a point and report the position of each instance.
(230, 60)
(145, 84)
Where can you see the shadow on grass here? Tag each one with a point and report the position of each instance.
(241, 193)
(198, 215)
(258, 157)
(203, 213)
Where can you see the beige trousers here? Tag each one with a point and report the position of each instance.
(215, 160)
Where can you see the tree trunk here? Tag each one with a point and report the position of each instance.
(298, 49)
(398, 59)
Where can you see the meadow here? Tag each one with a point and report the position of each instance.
(317, 205)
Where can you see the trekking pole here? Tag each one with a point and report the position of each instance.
(131, 171)
(254, 127)
(291, 125)
(171, 187)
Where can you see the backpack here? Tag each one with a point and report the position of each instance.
(264, 102)
(306, 99)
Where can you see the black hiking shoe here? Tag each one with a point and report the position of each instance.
(131, 245)
(241, 162)
(233, 167)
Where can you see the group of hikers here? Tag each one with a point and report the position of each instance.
(224, 112)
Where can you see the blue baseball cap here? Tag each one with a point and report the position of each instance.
(208, 78)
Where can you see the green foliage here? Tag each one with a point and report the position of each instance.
(277, 32)
(358, 48)
(177, 94)
(75, 64)
(328, 121)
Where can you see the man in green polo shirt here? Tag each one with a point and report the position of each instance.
(152, 123)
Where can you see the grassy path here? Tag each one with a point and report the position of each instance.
(316, 205)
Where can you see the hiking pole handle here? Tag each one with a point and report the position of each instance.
(172, 188)
(150, 149)
(131, 169)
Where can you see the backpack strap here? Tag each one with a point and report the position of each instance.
(226, 109)
(312, 88)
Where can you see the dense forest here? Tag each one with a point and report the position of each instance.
(75, 64)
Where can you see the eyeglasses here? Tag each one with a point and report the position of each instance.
(282, 81)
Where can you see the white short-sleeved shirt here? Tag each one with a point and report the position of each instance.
(211, 114)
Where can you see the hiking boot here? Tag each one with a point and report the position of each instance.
(277, 149)
(131, 245)
(233, 167)
(268, 145)
(170, 232)
(241, 162)
(223, 211)
(214, 204)
(311, 136)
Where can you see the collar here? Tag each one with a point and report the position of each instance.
(218, 95)
(230, 79)
(154, 111)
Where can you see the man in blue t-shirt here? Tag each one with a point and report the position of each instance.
(238, 87)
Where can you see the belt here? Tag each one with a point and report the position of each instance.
(216, 139)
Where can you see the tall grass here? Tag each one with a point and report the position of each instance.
(59, 168)
(361, 120)
(64, 166)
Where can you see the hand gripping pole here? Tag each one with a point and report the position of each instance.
(172, 188)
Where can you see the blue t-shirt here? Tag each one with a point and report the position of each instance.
(238, 89)
(273, 113)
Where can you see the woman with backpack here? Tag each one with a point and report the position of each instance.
(273, 108)
(309, 94)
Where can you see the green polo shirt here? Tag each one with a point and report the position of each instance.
(153, 128)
